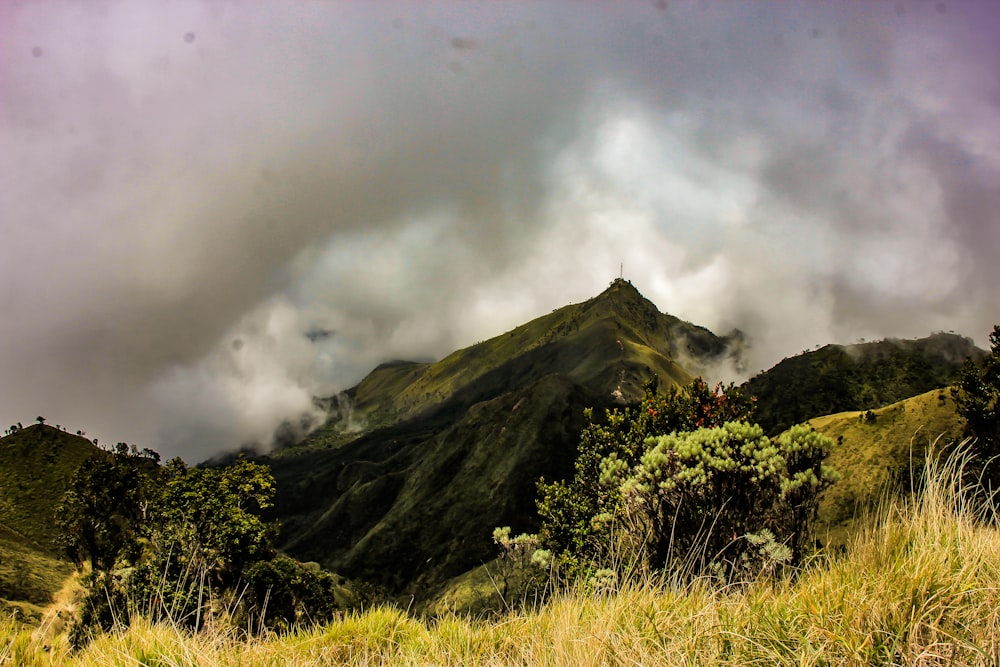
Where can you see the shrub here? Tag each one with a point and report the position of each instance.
(702, 500)
(578, 514)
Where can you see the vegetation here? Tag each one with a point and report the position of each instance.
(684, 485)
(977, 397)
(579, 514)
(184, 545)
(838, 378)
(919, 585)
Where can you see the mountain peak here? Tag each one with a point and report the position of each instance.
(621, 289)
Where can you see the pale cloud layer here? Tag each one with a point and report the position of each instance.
(211, 212)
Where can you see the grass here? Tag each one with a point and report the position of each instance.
(36, 466)
(879, 453)
(920, 585)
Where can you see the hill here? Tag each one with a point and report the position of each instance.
(36, 465)
(405, 487)
(838, 378)
(881, 451)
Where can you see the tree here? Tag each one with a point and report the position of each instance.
(977, 398)
(40, 419)
(101, 514)
(282, 593)
(209, 519)
(165, 541)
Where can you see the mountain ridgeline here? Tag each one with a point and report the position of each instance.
(405, 488)
(838, 378)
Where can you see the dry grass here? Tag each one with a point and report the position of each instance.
(920, 586)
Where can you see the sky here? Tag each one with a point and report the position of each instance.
(212, 211)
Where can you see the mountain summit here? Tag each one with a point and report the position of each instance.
(420, 461)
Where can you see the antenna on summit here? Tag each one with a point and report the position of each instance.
(621, 271)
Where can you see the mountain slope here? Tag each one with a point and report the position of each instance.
(879, 451)
(36, 465)
(839, 378)
(613, 341)
(406, 487)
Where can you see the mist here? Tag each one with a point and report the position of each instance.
(213, 212)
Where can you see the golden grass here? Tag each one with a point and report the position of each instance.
(919, 586)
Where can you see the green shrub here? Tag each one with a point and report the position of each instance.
(282, 593)
(578, 515)
(701, 501)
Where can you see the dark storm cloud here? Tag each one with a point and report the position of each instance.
(191, 190)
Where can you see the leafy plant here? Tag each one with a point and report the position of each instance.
(694, 497)
(578, 514)
(185, 545)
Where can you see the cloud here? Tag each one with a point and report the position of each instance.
(191, 188)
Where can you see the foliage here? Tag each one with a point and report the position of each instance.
(695, 496)
(837, 378)
(522, 568)
(919, 586)
(577, 514)
(282, 593)
(184, 545)
(977, 397)
(102, 512)
(209, 519)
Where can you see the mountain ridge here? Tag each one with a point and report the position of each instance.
(863, 376)
(411, 475)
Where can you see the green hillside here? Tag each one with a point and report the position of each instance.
(879, 451)
(406, 490)
(839, 378)
(36, 465)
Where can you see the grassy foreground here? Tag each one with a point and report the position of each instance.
(920, 586)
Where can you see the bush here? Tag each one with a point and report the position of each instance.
(977, 399)
(282, 593)
(578, 514)
(709, 500)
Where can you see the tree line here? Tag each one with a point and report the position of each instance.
(185, 545)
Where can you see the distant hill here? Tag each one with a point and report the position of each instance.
(838, 378)
(419, 462)
(611, 343)
(36, 465)
(880, 451)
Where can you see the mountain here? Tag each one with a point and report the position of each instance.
(420, 461)
(839, 378)
(36, 465)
